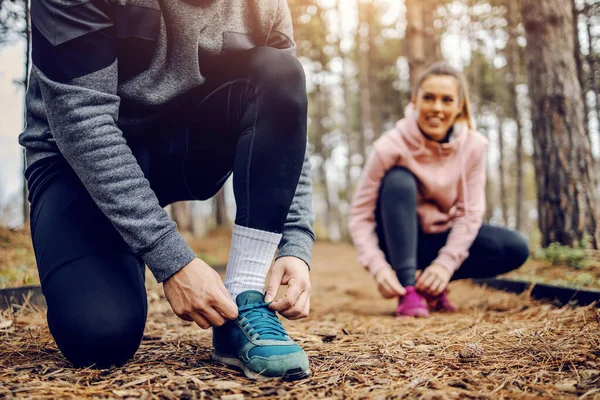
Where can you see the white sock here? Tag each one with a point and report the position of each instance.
(250, 258)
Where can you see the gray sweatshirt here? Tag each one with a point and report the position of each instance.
(101, 67)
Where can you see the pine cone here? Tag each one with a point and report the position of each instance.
(470, 352)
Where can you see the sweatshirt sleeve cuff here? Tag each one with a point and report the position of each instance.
(300, 246)
(447, 261)
(168, 256)
(376, 263)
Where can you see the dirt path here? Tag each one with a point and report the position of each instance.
(518, 349)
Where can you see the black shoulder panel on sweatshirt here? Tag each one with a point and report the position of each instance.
(137, 30)
(78, 57)
(72, 41)
(136, 21)
(59, 23)
(69, 41)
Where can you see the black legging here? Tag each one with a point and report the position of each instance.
(251, 119)
(496, 250)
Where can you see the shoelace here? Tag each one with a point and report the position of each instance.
(261, 322)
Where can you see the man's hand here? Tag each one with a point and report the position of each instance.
(196, 293)
(388, 284)
(293, 272)
(434, 279)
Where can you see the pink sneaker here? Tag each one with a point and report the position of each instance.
(411, 304)
(440, 303)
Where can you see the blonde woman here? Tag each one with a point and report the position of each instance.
(421, 200)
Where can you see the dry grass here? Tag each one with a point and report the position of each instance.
(509, 346)
(17, 262)
(540, 271)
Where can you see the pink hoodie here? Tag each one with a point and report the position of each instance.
(451, 182)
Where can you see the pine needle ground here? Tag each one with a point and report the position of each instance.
(498, 345)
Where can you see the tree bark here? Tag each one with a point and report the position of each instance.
(323, 153)
(579, 64)
(502, 172)
(562, 157)
(347, 126)
(220, 209)
(26, 210)
(374, 91)
(591, 60)
(514, 73)
(415, 39)
(433, 49)
(366, 123)
(181, 214)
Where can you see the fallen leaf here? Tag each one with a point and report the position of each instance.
(6, 324)
(232, 397)
(226, 385)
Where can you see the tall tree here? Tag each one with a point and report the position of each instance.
(592, 60)
(579, 64)
(364, 76)
(562, 157)
(348, 125)
(312, 37)
(513, 59)
(422, 46)
(502, 168)
(220, 209)
(182, 215)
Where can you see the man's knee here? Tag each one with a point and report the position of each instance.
(101, 341)
(279, 75)
(399, 184)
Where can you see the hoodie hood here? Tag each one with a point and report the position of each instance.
(417, 142)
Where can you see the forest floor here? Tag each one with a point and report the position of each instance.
(17, 262)
(497, 345)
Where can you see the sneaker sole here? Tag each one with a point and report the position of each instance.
(293, 374)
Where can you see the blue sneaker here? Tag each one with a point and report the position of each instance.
(257, 343)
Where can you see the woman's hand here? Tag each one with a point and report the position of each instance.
(388, 284)
(433, 280)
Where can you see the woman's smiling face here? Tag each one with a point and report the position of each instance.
(438, 104)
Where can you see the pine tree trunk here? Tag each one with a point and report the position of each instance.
(347, 125)
(180, 213)
(562, 156)
(433, 50)
(591, 60)
(415, 39)
(366, 124)
(220, 209)
(26, 210)
(579, 64)
(502, 172)
(374, 92)
(321, 151)
(514, 73)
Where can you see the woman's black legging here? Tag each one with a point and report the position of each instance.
(249, 120)
(495, 251)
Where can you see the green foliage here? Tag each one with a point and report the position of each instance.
(557, 254)
(207, 258)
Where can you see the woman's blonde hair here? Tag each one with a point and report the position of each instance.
(444, 69)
